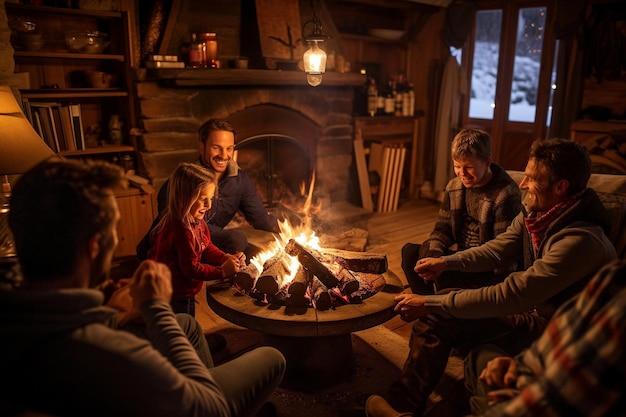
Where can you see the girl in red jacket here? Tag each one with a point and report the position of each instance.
(181, 239)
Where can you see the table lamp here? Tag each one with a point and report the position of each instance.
(20, 149)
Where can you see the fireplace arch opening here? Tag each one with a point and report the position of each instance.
(280, 167)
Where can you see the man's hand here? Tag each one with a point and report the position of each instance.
(123, 302)
(410, 306)
(151, 281)
(500, 372)
(430, 268)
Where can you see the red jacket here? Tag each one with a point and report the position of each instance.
(190, 263)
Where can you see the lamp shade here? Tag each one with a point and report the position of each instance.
(21, 148)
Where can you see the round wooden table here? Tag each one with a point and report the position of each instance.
(316, 344)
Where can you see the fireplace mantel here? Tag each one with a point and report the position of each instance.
(250, 77)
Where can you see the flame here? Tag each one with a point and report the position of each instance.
(303, 234)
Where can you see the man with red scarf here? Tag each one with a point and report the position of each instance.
(561, 239)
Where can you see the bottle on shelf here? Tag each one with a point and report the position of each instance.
(411, 99)
(399, 93)
(372, 97)
(380, 103)
(209, 39)
(196, 52)
(406, 100)
(390, 100)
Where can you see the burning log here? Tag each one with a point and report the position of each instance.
(319, 295)
(347, 282)
(330, 273)
(246, 277)
(311, 260)
(271, 279)
(267, 284)
(324, 279)
(283, 297)
(299, 284)
(358, 261)
(370, 282)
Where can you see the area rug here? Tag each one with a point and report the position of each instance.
(378, 356)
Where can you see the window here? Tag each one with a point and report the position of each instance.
(527, 61)
(485, 64)
(530, 33)
(509, 58)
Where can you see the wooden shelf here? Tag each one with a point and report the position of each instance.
(55, 65)
(250, 77)
(69, 55)
(54, 93)
(62, 11)
(102, 150)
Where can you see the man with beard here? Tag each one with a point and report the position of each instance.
(236, 192)
(67, 355)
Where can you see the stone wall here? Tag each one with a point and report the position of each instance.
(319, 117)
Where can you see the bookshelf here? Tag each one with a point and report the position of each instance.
(57, 78)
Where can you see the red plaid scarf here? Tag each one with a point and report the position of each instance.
(538, 224)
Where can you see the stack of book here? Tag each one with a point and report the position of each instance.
(164, 61)
(59, 125)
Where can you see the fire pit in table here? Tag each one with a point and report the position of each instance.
(300, 276)
(316, 341)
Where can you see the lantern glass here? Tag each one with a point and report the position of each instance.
(314, 64)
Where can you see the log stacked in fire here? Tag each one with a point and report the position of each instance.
(323, 279)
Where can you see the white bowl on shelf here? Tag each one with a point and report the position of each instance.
(388, 34)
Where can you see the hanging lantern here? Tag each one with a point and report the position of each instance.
(314, 58)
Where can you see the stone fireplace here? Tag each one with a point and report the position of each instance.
(285, 129)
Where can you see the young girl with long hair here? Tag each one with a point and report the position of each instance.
(181, 239)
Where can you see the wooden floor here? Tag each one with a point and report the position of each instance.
(387, 233)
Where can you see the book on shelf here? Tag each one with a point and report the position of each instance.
(44, 110)
(77, 125)
(68, 129)
(38, 126)
(59, 125)
(26, 109)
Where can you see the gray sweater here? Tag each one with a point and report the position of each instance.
(574, 249)
(62, 357)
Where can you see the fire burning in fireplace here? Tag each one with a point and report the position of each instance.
(296, 271)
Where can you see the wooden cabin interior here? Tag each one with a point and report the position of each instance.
(520, 69)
